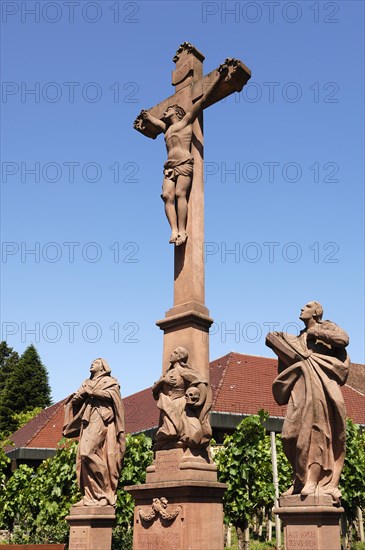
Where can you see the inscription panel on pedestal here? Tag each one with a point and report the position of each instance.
(79, 538)
(162, 540)
(301, 537)
(167, 461)
(159, 527)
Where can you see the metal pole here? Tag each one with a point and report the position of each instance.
(360, 523)
(276, 488)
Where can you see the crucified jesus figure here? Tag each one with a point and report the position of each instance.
(177, 127)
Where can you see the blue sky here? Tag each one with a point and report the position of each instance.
(284, 177)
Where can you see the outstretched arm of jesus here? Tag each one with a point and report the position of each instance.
(200, 104)
(156, 122)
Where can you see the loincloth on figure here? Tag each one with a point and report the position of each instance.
(180, 167)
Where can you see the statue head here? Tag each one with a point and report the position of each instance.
(178, 111)
(99, 366)
(312, 310)
(179, 355)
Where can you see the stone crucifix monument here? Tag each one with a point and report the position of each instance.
(180, 506)
(312, 366)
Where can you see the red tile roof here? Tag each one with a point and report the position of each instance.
(356, 377)
(245, 385)
(46, 427)
(140, 411)
(240, 383)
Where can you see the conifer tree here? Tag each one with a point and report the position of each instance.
(26, 387)
(8, 359)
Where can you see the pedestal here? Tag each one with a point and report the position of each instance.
(310, 523)
(181, 465)
(178, 515)
(91, 527)
(180, 506)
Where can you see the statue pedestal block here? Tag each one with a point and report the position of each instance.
(178, 515)
(91, 527)
(180, 465)
(180, 507)
(310, 523)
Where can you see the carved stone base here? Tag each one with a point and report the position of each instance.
(178, 515)
(91, 527)
(310, 523)
(180, 465)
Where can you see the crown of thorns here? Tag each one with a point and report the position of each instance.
(179, 110)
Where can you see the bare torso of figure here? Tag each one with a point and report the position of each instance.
(178, 139)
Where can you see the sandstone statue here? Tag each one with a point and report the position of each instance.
(184, 398)
(177, 125)
(312, 366)
(95, 414)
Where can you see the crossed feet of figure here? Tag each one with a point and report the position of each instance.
(178, 238)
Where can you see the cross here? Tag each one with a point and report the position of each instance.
(187, 322)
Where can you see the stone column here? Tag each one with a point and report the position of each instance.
(187, 322)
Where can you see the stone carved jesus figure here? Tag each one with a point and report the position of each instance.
(311, 367)
(177, 125)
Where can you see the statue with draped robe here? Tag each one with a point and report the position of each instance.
(95, 414)
(312, 366)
